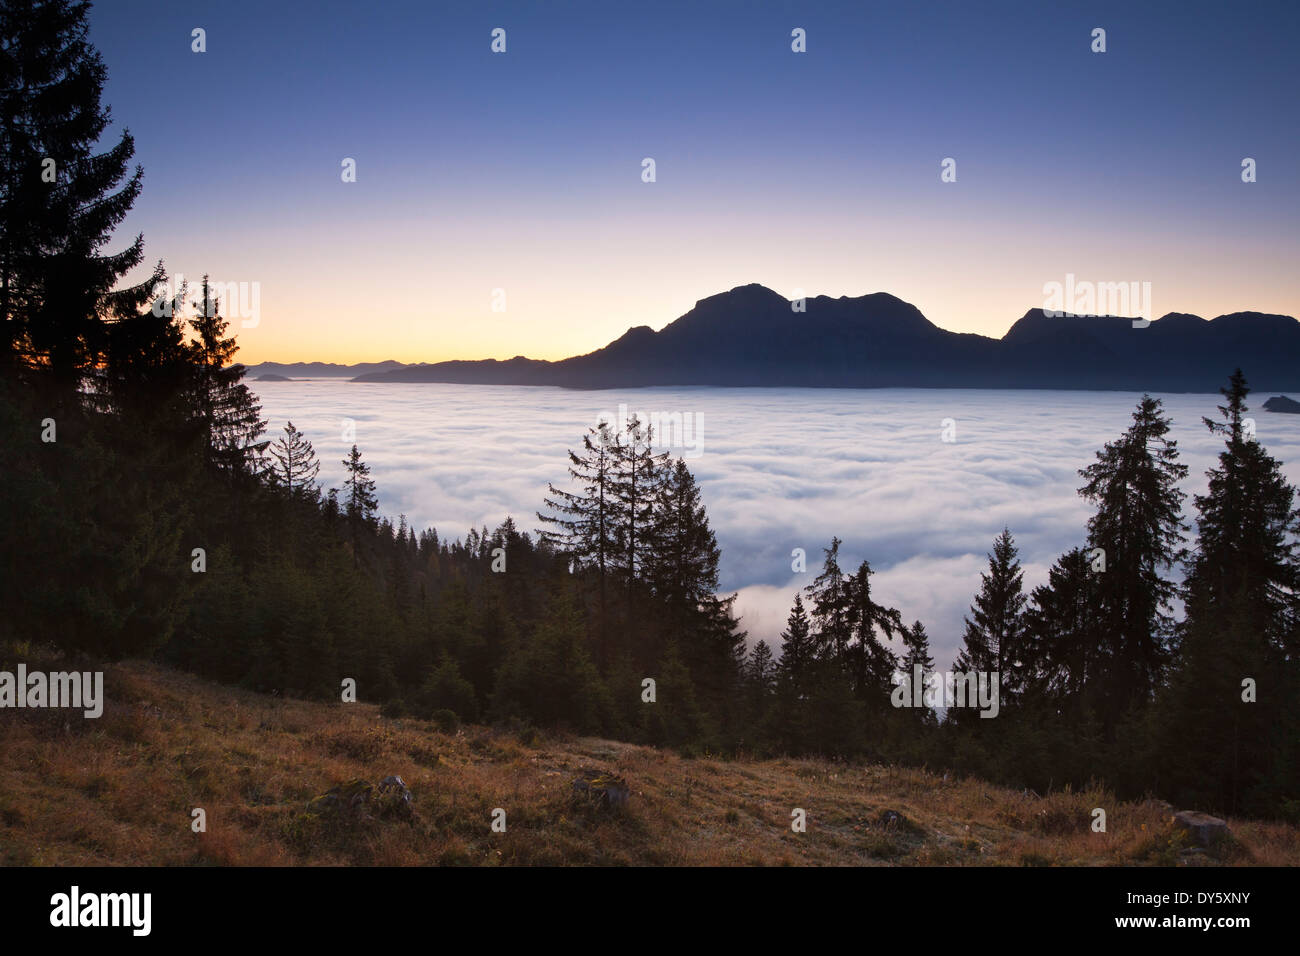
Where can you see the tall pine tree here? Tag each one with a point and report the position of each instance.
(798, 651)
(1227, 736)
(830, 608)
(994, 635)
(1247, 527)
(871, 664)
(360, 500)
(60, 200)
(583, 524)
(296, 466)
(1138, 525)
(682, 570)
(917, 661)
(228, 409)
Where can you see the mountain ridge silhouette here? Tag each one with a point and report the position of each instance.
(751, 336)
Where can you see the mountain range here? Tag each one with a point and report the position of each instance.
(291, 370)
(751, 336)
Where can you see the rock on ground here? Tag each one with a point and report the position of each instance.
(601, 788)
(1205, 828)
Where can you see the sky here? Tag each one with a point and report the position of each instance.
(488, 180)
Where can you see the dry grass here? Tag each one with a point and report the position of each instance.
(120, 790)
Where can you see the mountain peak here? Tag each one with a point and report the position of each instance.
(742, 295)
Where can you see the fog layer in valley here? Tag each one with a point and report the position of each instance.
(779, 469)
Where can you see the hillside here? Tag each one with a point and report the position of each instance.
(120, 790)
(1280, 403)
(750, 336)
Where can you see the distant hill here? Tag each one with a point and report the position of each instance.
(284, 372)
(1280, 403)
(272, 377)
(750, 336)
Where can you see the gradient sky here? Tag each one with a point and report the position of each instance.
(815, 171)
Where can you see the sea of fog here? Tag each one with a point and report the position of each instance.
(917, 481)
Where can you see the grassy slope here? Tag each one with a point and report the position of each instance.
(119, 790)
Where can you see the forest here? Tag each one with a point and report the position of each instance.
(147, 511)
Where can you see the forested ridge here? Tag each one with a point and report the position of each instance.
(148, 511)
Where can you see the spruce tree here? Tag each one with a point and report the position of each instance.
(583, 523)
(60, 201)
(798, 650)
(830, 603)
(1226, 733)
(761, 668)
(1138, 525)
(360, 500)
(143, 386)
(760, 674)
(870, 662)
(681, 567)
(1247, 526)
(296, 466)
(916, 658)
(994, 635)
(797, 678)
(639, 475)
(1068, 657)
(229, 410)
(446, 689)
